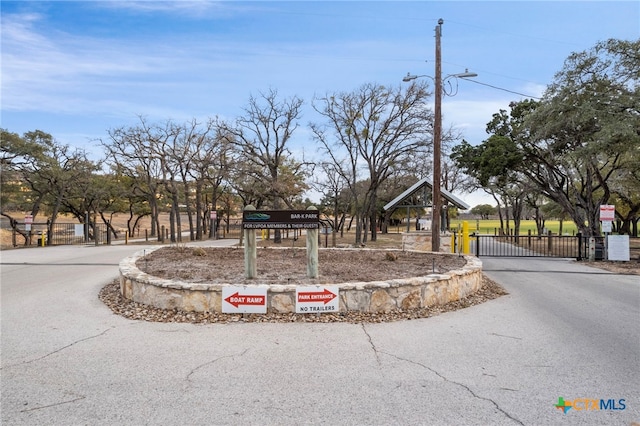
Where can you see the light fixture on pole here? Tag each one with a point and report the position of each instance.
(436, 203)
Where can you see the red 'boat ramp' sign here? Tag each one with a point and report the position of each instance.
(244, 300)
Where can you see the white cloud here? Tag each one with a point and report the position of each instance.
(471, 116)
(181, 7)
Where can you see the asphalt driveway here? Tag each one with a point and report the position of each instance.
(565, 330)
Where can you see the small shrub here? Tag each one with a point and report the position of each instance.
(199, 251)
(180, 247)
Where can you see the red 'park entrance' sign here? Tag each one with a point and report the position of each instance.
(317, 299)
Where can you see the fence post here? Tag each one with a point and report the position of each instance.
(465, 238)
(550, 241)
(579, 247)
(312, 250)
(250, 253)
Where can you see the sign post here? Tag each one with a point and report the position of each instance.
(607, 215)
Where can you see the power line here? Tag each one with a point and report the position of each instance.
(500, 88)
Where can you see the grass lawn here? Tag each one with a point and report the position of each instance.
(492, 225)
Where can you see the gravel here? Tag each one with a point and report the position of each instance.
(110, 295)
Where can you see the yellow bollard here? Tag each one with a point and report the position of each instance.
(453, 242)
(43, 236)
(465, 237)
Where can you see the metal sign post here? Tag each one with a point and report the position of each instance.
(607, 216)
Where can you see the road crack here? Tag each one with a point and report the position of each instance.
(195, 369)
(58, 350)
(373, 346)
(462, 385)
(26, 410)
(504, 335)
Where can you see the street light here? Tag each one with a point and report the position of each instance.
(437, 134)
(465, 74)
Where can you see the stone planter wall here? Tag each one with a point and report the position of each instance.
(378, 296)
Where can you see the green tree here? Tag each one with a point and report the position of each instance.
(483, 210)
(494, 164)
(133, 152)
(585, 132)
(47, 171)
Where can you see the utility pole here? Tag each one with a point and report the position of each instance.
(436, 202)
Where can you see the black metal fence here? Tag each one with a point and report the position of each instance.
(38, 234)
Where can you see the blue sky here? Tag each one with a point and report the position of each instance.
(77, 69)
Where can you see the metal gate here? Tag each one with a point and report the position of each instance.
(62, 234)
(563, 246)
(73, 233)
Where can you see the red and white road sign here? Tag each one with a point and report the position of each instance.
(317, 299)
(28, 220)
(244, 300)
(607, 212)
(213, 215)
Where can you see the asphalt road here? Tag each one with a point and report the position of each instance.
(565, 330)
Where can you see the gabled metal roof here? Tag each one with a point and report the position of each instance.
(420, 184)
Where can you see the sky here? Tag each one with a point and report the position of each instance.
(76, 69)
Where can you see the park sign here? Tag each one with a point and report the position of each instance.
(317, 299)
(280, 219)
(244, 300)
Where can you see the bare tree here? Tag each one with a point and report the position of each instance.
(134, 152)
(374, 128)
(262, 137)
(333, 186)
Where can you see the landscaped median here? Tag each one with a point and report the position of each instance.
(372, 296)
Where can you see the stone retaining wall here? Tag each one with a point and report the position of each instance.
(377, 296)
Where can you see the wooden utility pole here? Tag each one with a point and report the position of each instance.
(436, 202)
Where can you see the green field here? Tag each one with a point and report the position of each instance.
(492, 225)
